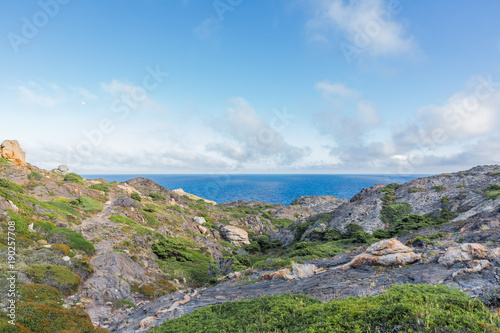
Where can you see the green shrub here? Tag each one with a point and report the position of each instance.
(318, 250)
(87, 204)
(5, 183)
(73, 178)
(493, 192)
(388, 198)
(381, 234)
(416, 190)
(136, 196)
(157, 197)
(5, 161)
(332, 235)
(71, 238)
(438, 235)
(408, 308)
(150, 219)
(41, 293)
(64, 207)
(438, 188)
(59, 277)
(281, 223)
(393, 212)
(254, 247)
(35, 176)
(267, 245)
(101, 187)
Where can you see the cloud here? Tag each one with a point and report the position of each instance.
(38, 96)
(465, 115)
(247, 139)
(366, 26)
(459, 133)
(132, 95)
(339, 89)
(85, 94)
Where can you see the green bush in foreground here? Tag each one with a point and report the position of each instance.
(409, 308)
(73, 178)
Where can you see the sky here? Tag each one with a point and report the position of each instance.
(239, 86)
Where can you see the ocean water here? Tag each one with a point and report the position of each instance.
(267, 188)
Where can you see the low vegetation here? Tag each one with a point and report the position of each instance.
(409, 308)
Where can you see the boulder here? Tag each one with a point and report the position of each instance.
(63, 169)
(124, 202)
(279, 274)
(388, 252)
(199, 219)
(234, 235)
(301, 271)
(466, 252)
(11, 150)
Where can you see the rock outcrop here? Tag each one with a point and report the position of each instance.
(11, 150)
(234, 235)
(180, 192)
(389, 252)
(319, 203)
(466, 252)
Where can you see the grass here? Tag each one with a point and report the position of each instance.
(408, 308)
(73, 178)
(59, 277)
(7, 184)
(35, 176)
(438, 188)
(71, 238)
(87, 204)
(101, 187)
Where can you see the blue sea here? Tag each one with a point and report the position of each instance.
(267, 188)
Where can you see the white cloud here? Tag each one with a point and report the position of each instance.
(339, 89)
(247, 139)
(87, 95)
(366, 26)
(37, 96)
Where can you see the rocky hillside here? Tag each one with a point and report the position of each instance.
(127, 257)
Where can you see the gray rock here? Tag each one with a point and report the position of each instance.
(199, 219)
(125, 202)
(64, 169)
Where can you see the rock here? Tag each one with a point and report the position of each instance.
(279, 274)
(199, 219)
(14, 207)
(30, 227)
(202, 229)
(474, 267)
(301, 271)
(66, 258)
(388, 246)
(234, 235)
(11, 150)
(389, 252)
(285, 236)
(124, 202)
(466, 252)
(319, 203)
(180, 192)
(63, 169)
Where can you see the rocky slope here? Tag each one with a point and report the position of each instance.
(135, 254)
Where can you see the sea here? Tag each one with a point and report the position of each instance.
(266, 188)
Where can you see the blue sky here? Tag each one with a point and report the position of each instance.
(239, 86)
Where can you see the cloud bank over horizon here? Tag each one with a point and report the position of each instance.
(328, 86)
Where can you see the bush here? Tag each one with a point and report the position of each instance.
(254, 247)
(71, 238)
(318, 250)
(381, 234)
(438, 188)
(409, 308)
(101, 187)
(87, 204)
(41, 293)
(136, 196)
(267, 245)
(35, 176)
(332, 235)
(416, 190)
(5, 183)
(73, 178)
(393, 212)
(157, 197)
(64, 207)
(59, 277)
(493, 192)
